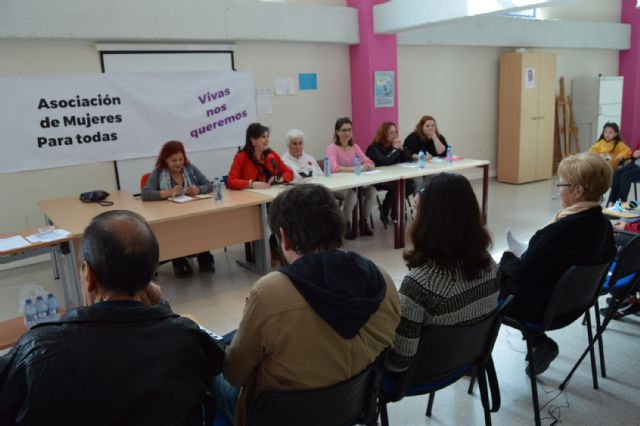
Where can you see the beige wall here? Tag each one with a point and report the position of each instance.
(21, 191)
(314, 111)
(459, 87)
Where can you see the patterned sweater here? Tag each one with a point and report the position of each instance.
(430, 295)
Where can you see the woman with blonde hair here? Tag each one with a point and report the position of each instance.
(579, 234)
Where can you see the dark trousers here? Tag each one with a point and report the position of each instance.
(622, 180)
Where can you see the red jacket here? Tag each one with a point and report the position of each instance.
(244, 169)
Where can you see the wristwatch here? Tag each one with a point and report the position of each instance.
(250, 183)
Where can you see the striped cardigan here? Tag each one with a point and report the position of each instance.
(430, 295)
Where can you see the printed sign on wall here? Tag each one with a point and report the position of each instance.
(53, 121)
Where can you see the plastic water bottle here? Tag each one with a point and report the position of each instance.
(41, 310)
(421, 159)
(357, 166)
(327, 167)
(217, 189)
(30, 313)
(53, 308)
(449, 155)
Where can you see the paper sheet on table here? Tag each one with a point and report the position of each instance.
(182, 199)
(409, 165)
(46, 236)
(371, 172)
(13, 243)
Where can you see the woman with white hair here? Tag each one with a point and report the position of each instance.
(302, 164)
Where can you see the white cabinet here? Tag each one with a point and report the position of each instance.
(596, 101)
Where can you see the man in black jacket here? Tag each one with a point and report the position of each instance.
(115, 361)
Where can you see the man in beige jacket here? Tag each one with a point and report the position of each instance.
(316, 322)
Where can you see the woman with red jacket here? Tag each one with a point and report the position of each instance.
(255, 165)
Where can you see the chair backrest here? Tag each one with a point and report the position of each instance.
(575, 292)
(628, 261)
(443, 350)
(346, 403)
(143, 180)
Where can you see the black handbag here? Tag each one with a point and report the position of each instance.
(98, 196)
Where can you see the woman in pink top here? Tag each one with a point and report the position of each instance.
(341, 154)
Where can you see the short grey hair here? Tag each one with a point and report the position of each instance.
(293, 133)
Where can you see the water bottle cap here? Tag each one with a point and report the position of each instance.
(28, 301)
(50, 295)
(39, 298)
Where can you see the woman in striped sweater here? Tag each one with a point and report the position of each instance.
(452, 277)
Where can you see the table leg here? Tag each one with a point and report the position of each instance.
(261, 249)
(485, 191)
(68, 269)
(398, 213)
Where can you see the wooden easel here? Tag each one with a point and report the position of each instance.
(565, 130)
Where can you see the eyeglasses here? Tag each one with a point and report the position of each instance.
(345, 130)
(560, 185)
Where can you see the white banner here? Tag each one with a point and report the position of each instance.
(61, 120)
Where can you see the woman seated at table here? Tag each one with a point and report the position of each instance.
(579, 234)
(341, 154)
(426, 138)
(386, 150)
(624, 177)
(302, 164)
(174, 175)
(611, 147)
(255, 165)
(452, 276)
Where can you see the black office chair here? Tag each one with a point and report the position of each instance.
(445, 354)
(350, 402)
(623, 281)
(572, 297)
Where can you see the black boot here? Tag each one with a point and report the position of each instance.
(206, 262)
(181, 267)
(348, 233)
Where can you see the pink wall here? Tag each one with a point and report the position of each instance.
(373, 53)
(629, 67)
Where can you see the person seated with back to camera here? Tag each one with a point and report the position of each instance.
(452, 276)
(314, 323)
(611, 146)
(387, 150)
(579, 234)
(256, 165)
(115, 361)
(303, 165)
(341, 154)
(174, 175)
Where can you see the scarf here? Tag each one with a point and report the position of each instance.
(188, 178)
(578, 207)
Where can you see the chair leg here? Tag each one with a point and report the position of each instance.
(484, 396)
(384, 417)
(592, 354)
(534, 387)
(472, 382)
(430, 404)
(603, 368)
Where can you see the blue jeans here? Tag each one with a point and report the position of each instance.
(226, 396)
(622, 180)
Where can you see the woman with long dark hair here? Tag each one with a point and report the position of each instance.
(611, 147)
(256, 165)
(452, 276)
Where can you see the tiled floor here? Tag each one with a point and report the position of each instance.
(217, 301)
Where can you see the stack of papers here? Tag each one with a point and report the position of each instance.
(13, 243)
(181, 199)
(46, 236)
